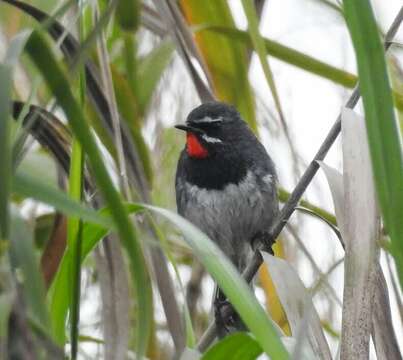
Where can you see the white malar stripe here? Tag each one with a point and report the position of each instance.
(209, 120)
(210, 139)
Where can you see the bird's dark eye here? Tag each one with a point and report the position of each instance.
(207, 126)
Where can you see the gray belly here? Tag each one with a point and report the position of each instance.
(232, 216)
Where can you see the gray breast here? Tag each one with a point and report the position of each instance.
(232, 216)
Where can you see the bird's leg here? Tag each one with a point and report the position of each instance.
(220, 304)
(263, 240)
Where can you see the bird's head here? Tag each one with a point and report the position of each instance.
(210, 128)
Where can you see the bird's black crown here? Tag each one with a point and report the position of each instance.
(216, 111)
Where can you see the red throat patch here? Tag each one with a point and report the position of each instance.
(194, 148)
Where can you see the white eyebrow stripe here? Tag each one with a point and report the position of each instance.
(210, 139)
(209, 120)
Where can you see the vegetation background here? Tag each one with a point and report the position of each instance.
(94, 261)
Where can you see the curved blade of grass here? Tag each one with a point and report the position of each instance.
(43, 58)
(296, 58)
(47, 129)
(214, 260)
(362, 232)
(231, 282)
(316, 215)
(287, 54)
(298, 305)
(384, 138)
(74, 242)
(382, 329)
(75, 225)
(29, 186)
(60, 291)
(241, 346)
(283, 196)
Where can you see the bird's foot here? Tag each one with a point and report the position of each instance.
(263, 241)
(223, 322)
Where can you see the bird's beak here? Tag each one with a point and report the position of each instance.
(189, 129)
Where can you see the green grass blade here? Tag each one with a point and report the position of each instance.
(43, 58)
(220, 268)
(74, 225)
(60, 291)
(128, 14)
(384, 138)
(288, 55)
(283, 196)
(241, 346)
(231, 282)
(296, 58)
(74, 241)
(28, 186)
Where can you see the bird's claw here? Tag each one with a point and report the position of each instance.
(263, 241)
(223, 323)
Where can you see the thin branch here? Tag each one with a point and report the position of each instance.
(282, 219)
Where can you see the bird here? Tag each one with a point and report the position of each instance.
(226, 185)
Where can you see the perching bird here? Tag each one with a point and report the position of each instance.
(225, 181)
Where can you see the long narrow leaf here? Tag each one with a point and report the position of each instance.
(298, 306)
(384, 138)
(296, 58)
(383, 333)
(215, 262)
(230, 281)
(362, 231)
(241, 346)
(74, 242)
(28, 186)
(288, 55)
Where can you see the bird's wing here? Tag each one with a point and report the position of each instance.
(266, 178)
